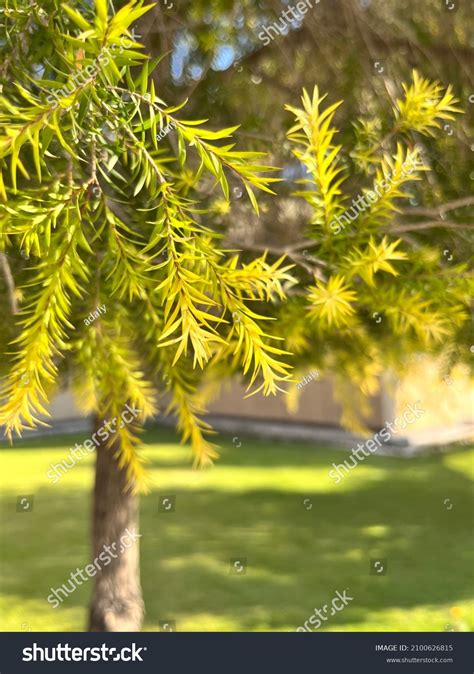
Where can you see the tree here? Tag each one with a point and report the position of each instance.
(360, 52)
(378, 295)
(114, 274)
(109, 217)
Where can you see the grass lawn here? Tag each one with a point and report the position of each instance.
(252, 504)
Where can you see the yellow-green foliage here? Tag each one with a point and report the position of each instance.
(313, 134)
(100, 206)
(424, 105)
(371, 295)
(105, 213)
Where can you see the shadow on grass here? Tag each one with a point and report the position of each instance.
(298, 558)
(300, 546)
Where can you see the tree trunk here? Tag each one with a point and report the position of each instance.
(116, 603)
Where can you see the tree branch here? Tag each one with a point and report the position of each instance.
(443, 208)
(309, 263)
(432, 224)
(7, 272)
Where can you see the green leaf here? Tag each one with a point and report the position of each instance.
(76, 17)
(102, 12)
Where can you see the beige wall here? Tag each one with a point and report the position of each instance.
(447, 403)
(316, 405)
(447, 400)
(63, 407)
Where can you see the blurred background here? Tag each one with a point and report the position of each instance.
(221, 60)
(269, 503)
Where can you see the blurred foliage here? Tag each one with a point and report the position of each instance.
(106, 215)
(118, 198)
(362, 52)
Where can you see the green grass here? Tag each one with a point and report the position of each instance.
(251, 504)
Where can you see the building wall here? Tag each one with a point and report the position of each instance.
(448, 403)
(316, 405)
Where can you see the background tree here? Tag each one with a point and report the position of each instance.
(109, 198)
(361, 52)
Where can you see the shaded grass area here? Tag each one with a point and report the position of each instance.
(272, 504)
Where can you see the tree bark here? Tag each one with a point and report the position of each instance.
(116, 604)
